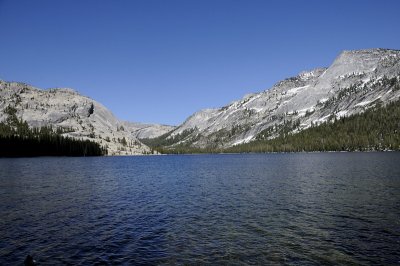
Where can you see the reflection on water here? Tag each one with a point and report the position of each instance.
(318, 208)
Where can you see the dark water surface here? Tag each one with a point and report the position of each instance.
(321, 208)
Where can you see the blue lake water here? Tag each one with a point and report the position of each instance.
(316, 208)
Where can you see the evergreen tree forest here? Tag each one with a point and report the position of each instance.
(376, 129)
(17, 139)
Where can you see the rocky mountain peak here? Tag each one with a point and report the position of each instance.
(354, 82)
(311, 74)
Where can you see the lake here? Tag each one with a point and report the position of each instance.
(304, 208)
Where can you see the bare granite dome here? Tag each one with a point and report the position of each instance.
(79, 116)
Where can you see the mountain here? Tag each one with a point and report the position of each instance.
(356, 81)
(143, 131)
(77, 116)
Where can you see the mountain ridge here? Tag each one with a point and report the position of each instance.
(311, 97)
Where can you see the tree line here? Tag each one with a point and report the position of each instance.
(376, 129)
(17, 139)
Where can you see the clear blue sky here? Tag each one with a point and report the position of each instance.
(160, 61)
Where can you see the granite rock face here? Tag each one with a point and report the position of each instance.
(356, 81)
(79, 116)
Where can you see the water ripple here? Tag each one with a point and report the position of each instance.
(307, 209)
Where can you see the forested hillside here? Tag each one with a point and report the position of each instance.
(377, 129)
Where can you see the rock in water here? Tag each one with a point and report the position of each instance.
(29, 261)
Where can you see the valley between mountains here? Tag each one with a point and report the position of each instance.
(357, 86)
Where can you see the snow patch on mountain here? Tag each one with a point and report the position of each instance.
(356, 80)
